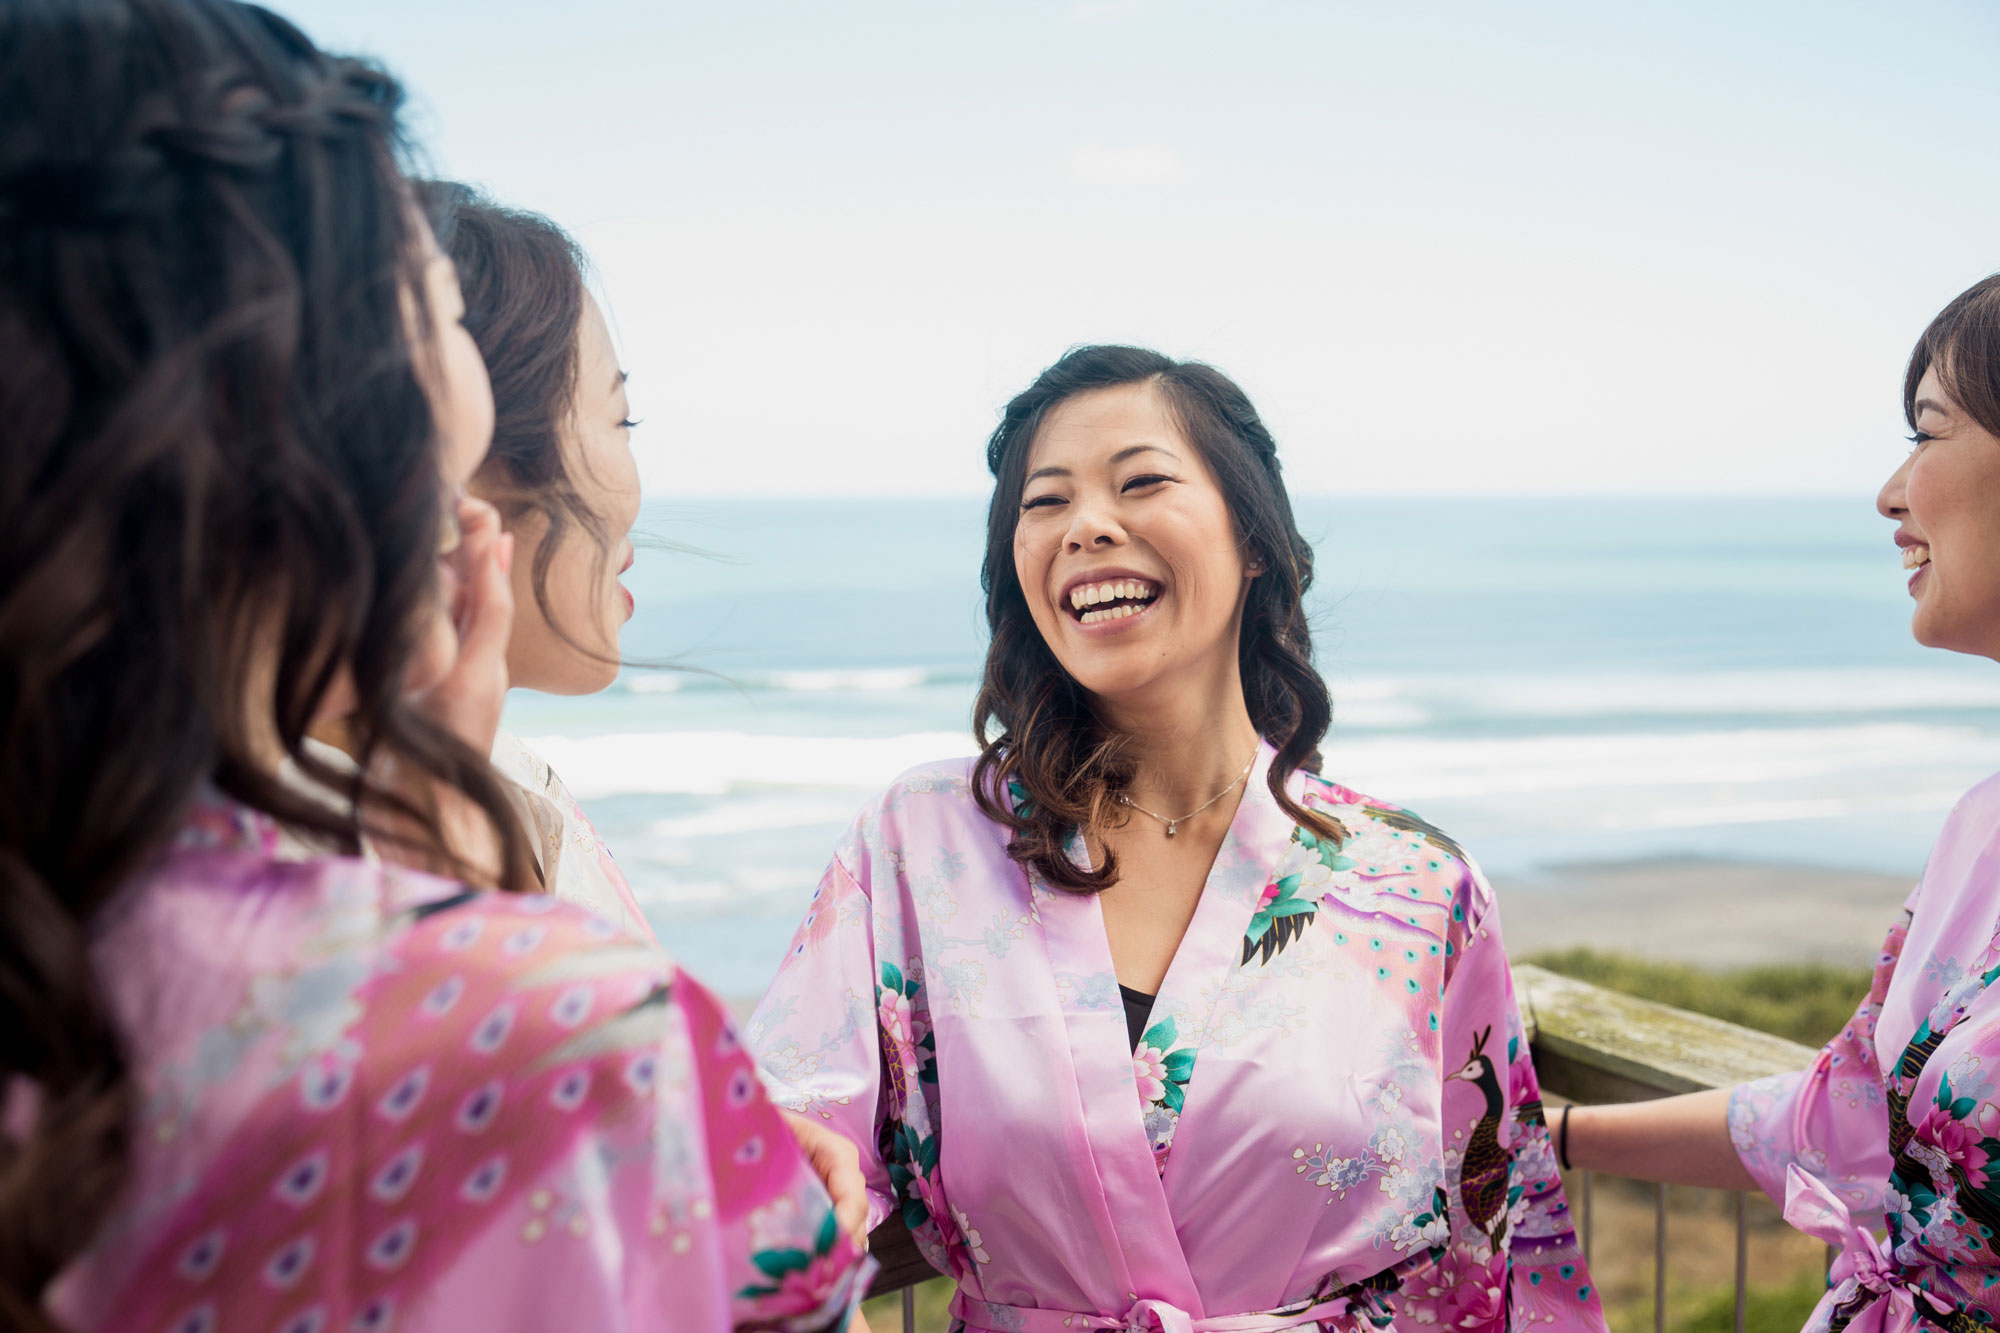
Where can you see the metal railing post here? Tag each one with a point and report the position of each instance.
(909, 1310)
(1742, 1255)
(1660, 1259)
(1589, 1214)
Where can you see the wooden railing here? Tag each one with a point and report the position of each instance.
(1590, 1045)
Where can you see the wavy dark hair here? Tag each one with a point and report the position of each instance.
(523, 279)
(1963, 344)
(1035, 724)
(219, 484)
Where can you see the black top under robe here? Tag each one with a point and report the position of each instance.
(1138, 1008)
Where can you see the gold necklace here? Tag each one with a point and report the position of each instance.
(1123, 799)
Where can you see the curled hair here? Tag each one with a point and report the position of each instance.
(1963, 345)
(523, 279)
(220, 484)
(1035, 724)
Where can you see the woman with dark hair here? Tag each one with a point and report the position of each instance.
(1137, 1020)
(1897, 1123)
(562, 475)
(257, 1068)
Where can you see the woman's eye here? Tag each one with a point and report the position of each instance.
(1919, 440)
(1151, 479)
(630, 422)
(1042, 502)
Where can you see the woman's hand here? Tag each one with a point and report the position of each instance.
(468, 699)
(838, 1163)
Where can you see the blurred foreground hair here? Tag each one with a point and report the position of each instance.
(1035, 724)
(1963, 344)
(218, 484)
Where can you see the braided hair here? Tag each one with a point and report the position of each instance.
(1035, 724)
(218, 486)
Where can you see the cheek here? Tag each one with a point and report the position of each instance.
(465, 417)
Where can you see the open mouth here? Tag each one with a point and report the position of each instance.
(1916, 557)
(1113, 599)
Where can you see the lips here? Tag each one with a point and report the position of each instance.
(1096, 600)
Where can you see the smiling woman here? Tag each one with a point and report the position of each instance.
(1894, 1129)
(1164, 1030)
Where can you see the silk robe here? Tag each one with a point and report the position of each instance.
(1888, 1146)
(371, 1099)
(1331, 1117)
(576, 865)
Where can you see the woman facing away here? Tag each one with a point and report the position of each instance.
(250, 1078)
(1888, 1146)
(1137, 1020)
(563, 479)
(562, 476)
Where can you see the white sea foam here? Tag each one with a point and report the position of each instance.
(1384, 702)
(696, 763)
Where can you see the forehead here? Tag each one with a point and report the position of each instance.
(1092, 426)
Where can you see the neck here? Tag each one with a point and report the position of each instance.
(1188, 738)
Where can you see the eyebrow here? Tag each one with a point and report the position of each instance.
(618, 380)
(1924, 405)
(1119, 457)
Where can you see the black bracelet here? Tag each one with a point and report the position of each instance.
(1562, 1141)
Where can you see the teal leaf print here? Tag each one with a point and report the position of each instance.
(892, 978)
(1161, 1035)
(777, 1263)
(1175, 1097)
(1281, 917)
(829, 1232)
(1180, 1067)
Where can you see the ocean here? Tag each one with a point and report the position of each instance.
(1551, 680)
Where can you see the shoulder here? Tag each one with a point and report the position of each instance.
(1965, 846)
(931, 804)
(517, 761)
(938, 790)
(1388, 839)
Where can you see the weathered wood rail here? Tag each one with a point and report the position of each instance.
(1590, 1045)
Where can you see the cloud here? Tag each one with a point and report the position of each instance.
(1129, 164)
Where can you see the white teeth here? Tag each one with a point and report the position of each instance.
(1915, 555)
(1094, 594)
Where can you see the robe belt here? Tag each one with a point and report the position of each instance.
(1147, 1316)
(1862, 1269)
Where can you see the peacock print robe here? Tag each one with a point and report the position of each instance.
(370, 1099)
(1330, 1119)
(1888, 1146)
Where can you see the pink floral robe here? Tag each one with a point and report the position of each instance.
(1896, 1126)
(371, 1099)
(1331, 1118)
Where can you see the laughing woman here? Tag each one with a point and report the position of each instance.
(1897, 1123)
(1137, 1020)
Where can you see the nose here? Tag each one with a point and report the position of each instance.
(1892, 501)
(1093, 526)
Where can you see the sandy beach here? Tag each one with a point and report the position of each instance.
(1711, 913)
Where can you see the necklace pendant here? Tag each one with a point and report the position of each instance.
(1170, 826)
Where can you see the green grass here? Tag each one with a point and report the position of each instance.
(1765, 1309)
(1807, 1002)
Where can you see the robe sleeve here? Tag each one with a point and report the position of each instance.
(818, 1034)
(1511, 1243)
(528, 1121)
(1830, 1118)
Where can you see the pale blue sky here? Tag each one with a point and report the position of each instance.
(1550, 246)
